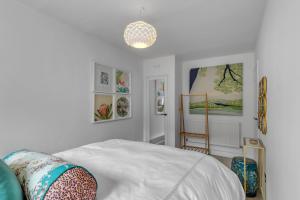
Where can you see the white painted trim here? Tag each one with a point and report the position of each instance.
(157, 136)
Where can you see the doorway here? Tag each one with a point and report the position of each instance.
(156, 104)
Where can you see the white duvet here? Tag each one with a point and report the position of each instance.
(127, 170)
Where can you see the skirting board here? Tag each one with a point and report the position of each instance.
(158, 140)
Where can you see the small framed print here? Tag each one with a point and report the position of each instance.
(123, 81)
(123, 106)
(103, 78)
(103, 107)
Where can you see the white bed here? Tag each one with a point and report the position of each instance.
(127, 170)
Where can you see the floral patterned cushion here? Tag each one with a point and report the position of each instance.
(44, 177)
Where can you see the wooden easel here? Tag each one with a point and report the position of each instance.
(184, 135)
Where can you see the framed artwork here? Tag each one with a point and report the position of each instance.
(103, 78)
(262, 106)
(103, 107)
(160, 105)
(123, 81)
(110, 93)
(224, 86)
(160, 87)
(123, 106)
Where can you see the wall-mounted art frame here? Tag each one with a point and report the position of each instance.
(103, 107)
(111, 93)
(262, 106)
(224, 86)
(123, 106)
(123, 81)
(103, 78)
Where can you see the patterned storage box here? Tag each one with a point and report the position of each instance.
(237, 166)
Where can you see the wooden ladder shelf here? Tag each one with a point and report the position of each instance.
(185, 135)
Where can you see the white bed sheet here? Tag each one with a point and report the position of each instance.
(127, 170)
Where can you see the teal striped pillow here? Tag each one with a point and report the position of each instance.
(38, 172)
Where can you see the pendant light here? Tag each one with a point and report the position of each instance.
(140, 34)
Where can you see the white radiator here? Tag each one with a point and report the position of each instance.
(221, 133)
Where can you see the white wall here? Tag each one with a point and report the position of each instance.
(163, 66)
(45, 83)
(278, 51)
(217, 122)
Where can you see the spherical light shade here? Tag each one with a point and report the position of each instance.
(140, 35)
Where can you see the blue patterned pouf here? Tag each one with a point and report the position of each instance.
(237, 166)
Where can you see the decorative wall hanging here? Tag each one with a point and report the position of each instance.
(103, 78)
(123, 103)
(224, 86)
(111, 93)
(122, 81)
(262, 106)
(103, 107)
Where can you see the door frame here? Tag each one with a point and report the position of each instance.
(146, 108)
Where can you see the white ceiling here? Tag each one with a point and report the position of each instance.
(187, 28)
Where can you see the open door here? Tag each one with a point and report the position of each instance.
(156, 104)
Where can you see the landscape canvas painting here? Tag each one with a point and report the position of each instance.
(224, 86)
(103, 108)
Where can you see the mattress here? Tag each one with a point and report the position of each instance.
(128, 170)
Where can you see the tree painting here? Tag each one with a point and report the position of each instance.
(224, 86)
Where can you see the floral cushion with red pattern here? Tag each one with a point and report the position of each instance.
(46, 177)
